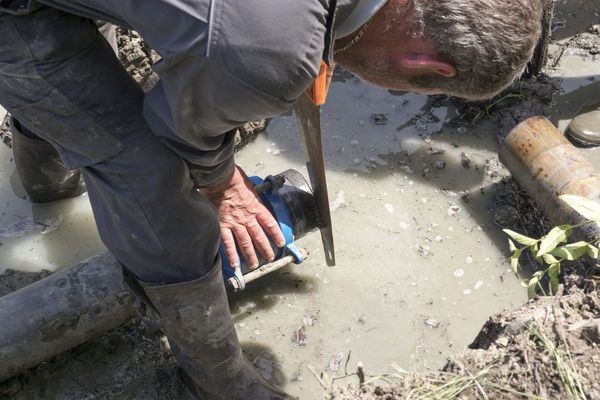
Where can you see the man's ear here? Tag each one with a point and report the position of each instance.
(427, 64)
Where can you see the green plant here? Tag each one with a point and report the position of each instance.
(553, 248)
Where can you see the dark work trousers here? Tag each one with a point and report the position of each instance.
(109, 32)
(60, 78)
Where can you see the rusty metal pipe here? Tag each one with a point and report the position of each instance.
(547, 165)
(60, 312)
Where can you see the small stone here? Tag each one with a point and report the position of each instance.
(459, 272)
(453, 210)
(478, 285)
(389, 208)
(404, 225)
(310, 320)
(379, 119)
(465, 161)
(355, 143)
(336, 362)
(462, 130)
(356, 161)
(299, 336)
(469, 260)
(467, 292)
(434, 152)
(424, 250)
(438, 238)
(439, 164)
(432, 323)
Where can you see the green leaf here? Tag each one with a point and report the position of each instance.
(589, 208)
(571, 251)
(553, 272)
(556, 236)
(592, 251)
(524, 240)
(549, 259)
(533, 249)
(532, 286)
(514, 260)
(511, 246)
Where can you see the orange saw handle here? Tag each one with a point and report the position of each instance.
(317, 92)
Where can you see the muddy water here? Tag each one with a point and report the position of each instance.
(420, 263)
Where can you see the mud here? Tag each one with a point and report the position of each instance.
(132, 362)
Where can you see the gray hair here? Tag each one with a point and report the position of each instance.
(488, 41)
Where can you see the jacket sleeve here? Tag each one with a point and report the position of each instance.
(195, 108)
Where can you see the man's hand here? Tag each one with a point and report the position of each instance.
(244, 220)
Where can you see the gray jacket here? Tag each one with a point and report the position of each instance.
(226, 62)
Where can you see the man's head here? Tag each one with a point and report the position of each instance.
(467, 48)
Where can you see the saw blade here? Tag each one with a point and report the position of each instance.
(309, 121)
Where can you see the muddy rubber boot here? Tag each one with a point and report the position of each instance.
(196, 319)
(43, 173)
(584, 129)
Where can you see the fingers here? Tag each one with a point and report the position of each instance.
(245, 245)
(260, 240)
(230, 249)
(270, 226)
(251, 238)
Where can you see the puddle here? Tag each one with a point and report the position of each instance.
(402, 229)
(41, 237)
